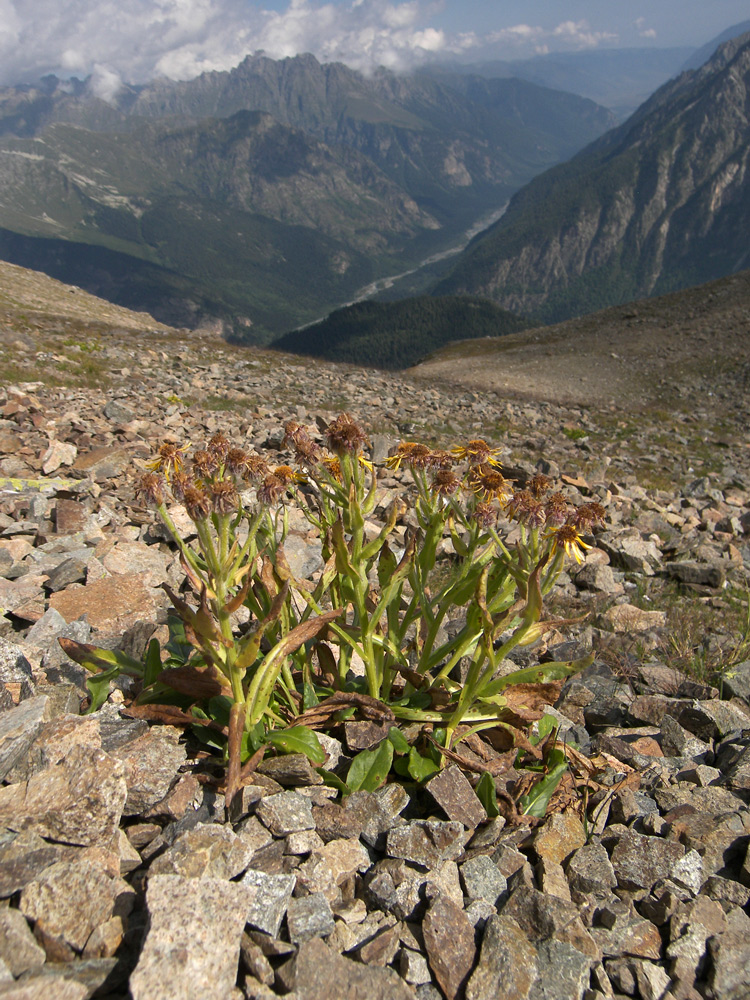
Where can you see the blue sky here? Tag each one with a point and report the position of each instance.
(135, 40)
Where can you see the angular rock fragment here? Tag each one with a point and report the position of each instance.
(192, 947)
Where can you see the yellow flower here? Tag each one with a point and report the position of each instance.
(477, 452)
(169, 460)
(567, 538)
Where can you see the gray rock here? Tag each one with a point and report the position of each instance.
(78, 801)
(272, 894)
(15, 669)
(42, 987)
(69, 900)
(151, 764)
(455, 796)
(508, 963)
(308, 917)
(449, 942)
(207, 851)
(701, 574)
(285, 813)
(18, 728)
(18, 949)
(192, 947)
(590, 871)
(426, 842)
(736, 681)
(321, 974)
(482, 879)
(22, 858)
(563, 972)
(290, 769)
(118, 412)
(640, 861)
(729, 977)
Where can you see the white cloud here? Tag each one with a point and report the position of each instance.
(135, 40)
(640, 26)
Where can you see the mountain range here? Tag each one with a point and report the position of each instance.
(267, 195)
(661, 202)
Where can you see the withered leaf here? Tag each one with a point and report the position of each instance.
(195, 682)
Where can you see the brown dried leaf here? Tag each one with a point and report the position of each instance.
(195, 682)
(170, 714)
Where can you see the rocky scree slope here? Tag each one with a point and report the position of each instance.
(122, 873)
(657, 204)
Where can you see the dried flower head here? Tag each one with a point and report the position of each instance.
(235, 461)
(255, 468)
(287, 475)
(219, 446)
(180, 482)
(557, 508)
(567, 537)
(538, 485)
(224, 496)
(344, 435)
(204, 464)
(587, 515)
(477, 452)
(526, 508)
(151, 489)
(441, 460)
(485, 514)
(307, 451)
(271, 490)
(197, 503)
(445, 483)
(488, 483)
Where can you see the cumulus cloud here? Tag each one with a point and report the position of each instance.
(112, 41)
(643, 31)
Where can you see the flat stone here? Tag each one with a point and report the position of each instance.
(702, 574)
(452, 791)
(207, 851)
(54, 741)
(272, 894)
(449, 942)
(286, 812)
(113, 603)
(640, 861)
(42, 987)
(78, 801)
(18, 949)
(730, 966)
(543, 917)
(331, 865)
(151, 764)
(321, 974)
(192, 947)
(18, 729)
(69, 899)
(291, 770)
(71, 516)
(563, 974)
(629, 618)
(102, 463)
(426, 842)
(22, 858)
(508, 963)
(308, 917)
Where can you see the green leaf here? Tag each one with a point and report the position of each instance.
(152, 663)
(178, 646)
(487, 794)
(397, 739)
(309, 696)
(298, 739)
(546, 725)
(99, 688)
(536, 801)
(333, 781)
(421, 768)
(370, 768)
